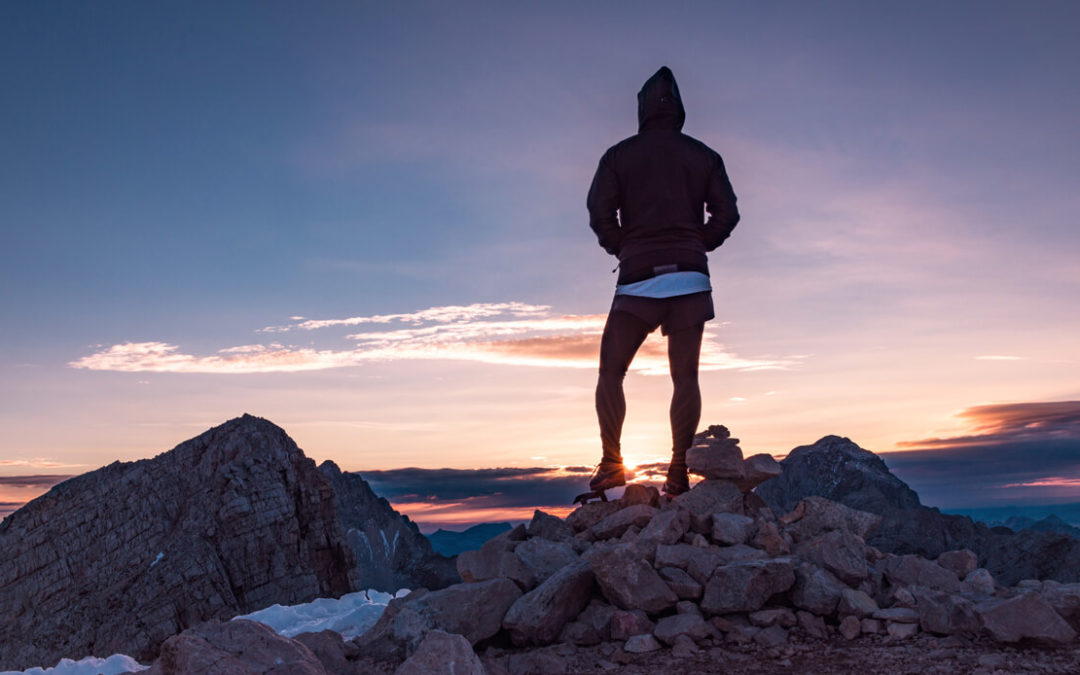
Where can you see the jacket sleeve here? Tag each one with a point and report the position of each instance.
(603, 205)
(720, 203)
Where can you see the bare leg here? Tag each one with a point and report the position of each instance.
(684, 353)
(623, 335)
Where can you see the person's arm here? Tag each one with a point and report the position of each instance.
(720, 203)
(603, 205)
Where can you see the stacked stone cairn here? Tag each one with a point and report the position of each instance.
(713, 565)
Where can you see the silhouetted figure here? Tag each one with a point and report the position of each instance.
(647, 206)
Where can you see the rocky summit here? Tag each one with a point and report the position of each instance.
(118, 559)
(711, 581)
(839, 470)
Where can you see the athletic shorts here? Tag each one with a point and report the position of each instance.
(671, 314)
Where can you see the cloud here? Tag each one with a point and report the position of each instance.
(497, 333)
(1015, 452)
(38, 463)
(38, 481)
(7, 508)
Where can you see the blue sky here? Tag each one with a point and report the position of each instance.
(187, 175)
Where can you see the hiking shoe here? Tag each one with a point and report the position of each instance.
(607, 476)
(678, 481)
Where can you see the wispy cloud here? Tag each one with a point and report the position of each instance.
(497, 333)
(38, 463)
(1010, 422)
(38, 481)
(992, 357)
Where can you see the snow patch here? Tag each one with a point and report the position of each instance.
(91, 665)
(350, 615)
(158, 558)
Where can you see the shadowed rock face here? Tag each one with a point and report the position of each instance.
(390, 551)
(118, 559)
(839, 470)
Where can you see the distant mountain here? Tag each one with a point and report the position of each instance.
(448, 542)
(390, 551)
(839, 470)
(1050, 523)
(118, 559)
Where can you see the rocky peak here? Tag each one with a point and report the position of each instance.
(118, 559)
(838, 469)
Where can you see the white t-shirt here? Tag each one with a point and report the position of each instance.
(667, 285)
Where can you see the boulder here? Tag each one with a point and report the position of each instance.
(913, 570)
(763, 618)
(813, 516)
(901, 631)
(720, 459)
(239, 646)
(961, 563)
(756, 470)
(979, 581)
(816, 590)
(850, 627)
(840, 552)
(1064, 598)
(544, 557)
(626, 623)
(945, 613)
(772, 637)
(729, 529)
(635, 493)
(746, 586)
(329, 647)
(547, 526)
(628, 581)
(709, 497)
(768, 538)
(897, 615)
(669, 628)
(442, 653)
(641, 644)
(616, 524)
(587, 515)
(539, 616)
(682, 583)
(490, 561)
(592, 626)
(812, 625)
(1024, 616)
(666, 527)
(855, 603)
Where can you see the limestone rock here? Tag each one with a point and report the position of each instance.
(813, 516)
(979, 581)
(746, 586)
(961, 563)
(913, 570)
(816, 590)
(709, 497)
(619, 522)
(768, 538)
(635, 494)
(544, 557)
(729, 529)
(640, 644)
(626, 623)
(763, 618)
(119, 559)
(812, 625)
(547, 526)
(587, 515)
(628, 581)
(902, 630)
(693, 625)
(329, 648)
(442, 653)
(840, 552)
(850, 627)
(666, 527)
(682, 583)
(540, 615)
(757, 469)
(945, 613)
(492, 562)
(593, 625)
(897, 615)
(856, 603)
(718, 459)
(1024, 616)
(234, 647)
(772, 637)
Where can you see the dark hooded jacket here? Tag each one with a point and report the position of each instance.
(648, 199)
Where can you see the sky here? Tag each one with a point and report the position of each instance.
(366, 223)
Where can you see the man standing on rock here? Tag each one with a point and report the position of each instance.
(647, 206)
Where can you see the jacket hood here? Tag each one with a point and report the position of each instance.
(659, 103)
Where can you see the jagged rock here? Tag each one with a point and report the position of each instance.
(630, 582)
(850, 627)
(587, 515)
(682, 583)
(687, 607)
(1064, 598)
(729, 529)
(547, 526)
(442, 653)
(693, 625)
(961, 563)
(635, 494)
(1024, 616)
(855, 603)
(540, 615)
(640, 644)
(390, 551)
(619, 522)
(329, 648)
(684, 647)
(913, 570)
(902, 597)
(118, 559)
(901, 630)
(771, 637)
(945, 613)
(813, 516)
(709, 497)
(870, 626)
(475, 610)
(627, 623)
(816, 590)
(666, 527)
(980, 581)
(544, 557)
(720, 459)
(492, 562)
(840, 552)
(234, 647)
(746, 586)
(757, 469)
